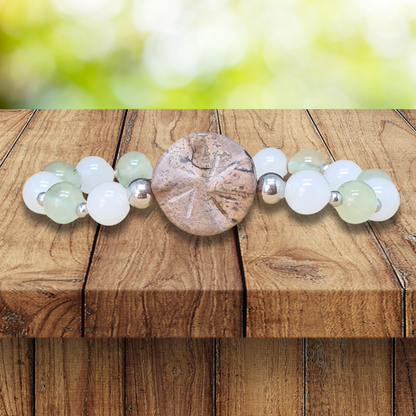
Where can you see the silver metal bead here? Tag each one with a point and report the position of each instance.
(140, 193)
(378, 205)
(324, 167)
(40, 198)
(271, 188)
(336, 199)
(82, 210)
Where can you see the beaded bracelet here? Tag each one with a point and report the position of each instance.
(205, 184)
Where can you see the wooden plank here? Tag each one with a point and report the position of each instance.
(16, 377)
(169, 377)
(11, 124)
(43, 264)
(165, 282)
(79, 377)
(405, 377)
(259, 377)
(309, 276)
(382, 139)
(410, 116)
(348, 377)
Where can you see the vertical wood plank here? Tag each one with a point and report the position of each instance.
(165, 282)
(348, 377)
(405, 377)
(43, 264)
(169, 377)
(308, 275)
(16, 377)
(382, 139)
(79, 377)
(11, 124)
(260, 377)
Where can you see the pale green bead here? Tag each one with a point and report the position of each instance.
(131, 166)
(306, 159)
(373, 173)
(60, 202)
(65, 172)
(359, 202)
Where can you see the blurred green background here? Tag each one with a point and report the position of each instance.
(207, 53)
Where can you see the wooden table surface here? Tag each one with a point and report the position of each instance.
(279, 274)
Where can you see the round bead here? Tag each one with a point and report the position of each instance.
(82, 210)
(60, 202)
(37, 183)
(373, 173)
(340, 172)
(108, 204)
(64, 171)
(307, 192)
(131, 166)
(139, 193)
(359, 202)
(205, 183)
(271, 188)
(270, 160)
(94, 170)
(388, 195)
(336, 199)
(306, 159)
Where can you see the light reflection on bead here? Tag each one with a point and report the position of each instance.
(340, 172)
(64, 171)
(93, 171)
(131, 166)
(82, 210)
(139, 193)
(40, 198)
(270, 160)
(271, 188)
(336, 199)
(306, 159)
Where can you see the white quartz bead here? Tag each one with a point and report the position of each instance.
(94, 170)
(108, 204)
(270, 160)
(388, 195)
(341, 171)
(307, 192)
(37, 183)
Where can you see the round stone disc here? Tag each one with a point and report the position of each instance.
(205, 183)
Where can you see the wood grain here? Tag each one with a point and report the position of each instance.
(259, 377)
(79, 377)
(405, 377)
(43, 264)
(348, 377)
(382, 139)
(150, 279)
(11, 124)
(169, 377)
(309, 276)
(16, 377)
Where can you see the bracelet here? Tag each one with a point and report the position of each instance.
(205, 183)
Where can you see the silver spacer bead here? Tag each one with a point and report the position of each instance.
(40, 198)
(140, 194)
(378, 205)
(271, 188)
(82, 210)
(324, 167)
(336, 199)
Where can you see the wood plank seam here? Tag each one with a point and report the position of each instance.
(17, 138)
(376, 240)
(403, 116)
(97, 231)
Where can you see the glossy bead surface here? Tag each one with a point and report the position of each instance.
(270, 160)
(271, 188)
(140, 194)
(131, 166)
(36, 184)
(60, 202)
(340, 172)
(388, 195)
(94, 170)
(306, 159)
(82, 210)
(373, 173)
(307, 192)
(64, 171)
(359, 202)
(107, 203)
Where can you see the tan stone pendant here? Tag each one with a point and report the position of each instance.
(205, 183)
